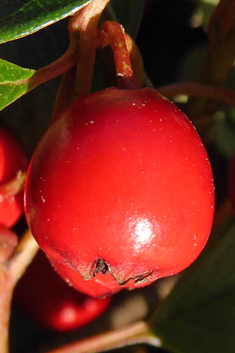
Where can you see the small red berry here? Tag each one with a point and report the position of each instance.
(120, 191)
(50, 302)
(12, 160)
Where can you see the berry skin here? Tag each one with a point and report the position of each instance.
(120, 191)
(50, 302)
(12, 160)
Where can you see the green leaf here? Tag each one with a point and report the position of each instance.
(13, 82)
(199, 314)
(24, 17)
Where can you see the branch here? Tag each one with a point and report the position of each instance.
(87, 22)
(130, 335)
(196, 89)
(76, 81)
(22, 256)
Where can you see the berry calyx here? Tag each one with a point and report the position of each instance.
(120, 189)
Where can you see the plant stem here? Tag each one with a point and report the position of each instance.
(10, 271)
(22, 256)
(206, 92)
(76, 81)
(112, 33)
(136, 60)
(82, 31)
(6, 290)
(130, 335)
(86, 21)
(196, 89)
(59, 66)
(64, 93)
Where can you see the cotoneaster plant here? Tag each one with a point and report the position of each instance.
(12, 161)
(119, 192)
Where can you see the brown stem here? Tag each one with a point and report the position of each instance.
(6, 290)
(58, 67)
(196, 89)
(10, 271)
(76, 82)
(86, 21)
(22, 256)
(112, 33)
(202, 122)
(136, 60)
(130, 335)
(64, 93)
(82, 31)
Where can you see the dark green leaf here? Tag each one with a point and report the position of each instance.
(21, 18)
(199, 314)
(13, 82)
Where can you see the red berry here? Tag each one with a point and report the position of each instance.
(50, 302)
(12, 160)
(120, 191)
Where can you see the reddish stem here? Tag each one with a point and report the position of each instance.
(134, 334)
(6, 289)
(86, 20)
(82, 31)
(10, 272)
(196, 89)
(112, 33)
(22, 256)
(58, 67)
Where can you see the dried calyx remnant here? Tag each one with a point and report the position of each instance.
(100, 266)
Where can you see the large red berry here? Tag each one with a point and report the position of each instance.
(12, 160)
(120, 191)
